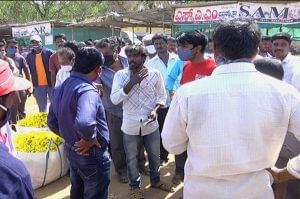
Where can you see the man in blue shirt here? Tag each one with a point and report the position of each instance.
(77, 114)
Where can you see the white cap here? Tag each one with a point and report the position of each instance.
(147, 37)
(36, 38)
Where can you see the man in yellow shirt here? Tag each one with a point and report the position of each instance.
(38, 61)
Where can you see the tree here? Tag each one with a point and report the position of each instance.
(33, 10)
(26, 11)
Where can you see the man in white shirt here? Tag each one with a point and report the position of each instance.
(142, 92)
(281, 46)
(232, 123)
(164, 62)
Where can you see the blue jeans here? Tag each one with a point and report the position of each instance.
(89, 175)
(132, 145)
(117, 147)
(40, 94)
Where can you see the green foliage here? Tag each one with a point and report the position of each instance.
(32, 10)
(26, 11)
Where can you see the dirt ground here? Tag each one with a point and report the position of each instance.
(60, 189)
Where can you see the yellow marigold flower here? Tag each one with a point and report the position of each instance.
(36, 141)
(37, 120)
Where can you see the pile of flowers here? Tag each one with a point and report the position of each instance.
(37, 120)
(36, 141)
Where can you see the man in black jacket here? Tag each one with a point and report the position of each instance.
(38, 61)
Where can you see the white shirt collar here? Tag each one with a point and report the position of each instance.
(237, 67)
(288, 57)
(171, 56)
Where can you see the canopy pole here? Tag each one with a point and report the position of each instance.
(132, 34)
(164, 21)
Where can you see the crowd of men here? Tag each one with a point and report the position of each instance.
(229, 116)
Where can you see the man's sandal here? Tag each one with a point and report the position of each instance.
(163, 186)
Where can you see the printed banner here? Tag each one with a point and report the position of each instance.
(272, 13)
(205, 14)
(26, 31)
(294, 12)
(261, 12)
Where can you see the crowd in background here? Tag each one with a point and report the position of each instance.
(109, 95)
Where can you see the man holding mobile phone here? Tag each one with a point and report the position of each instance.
(142, 92)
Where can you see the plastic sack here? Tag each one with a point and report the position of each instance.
(45, 167)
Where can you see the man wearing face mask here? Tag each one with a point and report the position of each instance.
(191, 49)
(18, 112)
(147, 42)
(114, 114)
(15, 181)
(4, 57)
(38, 61)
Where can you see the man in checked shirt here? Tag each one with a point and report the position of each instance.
(142, 92)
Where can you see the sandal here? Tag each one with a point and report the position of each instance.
(136, 194)
(163, 186)
(123, 179)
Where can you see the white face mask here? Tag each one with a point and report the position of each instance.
(150, 49)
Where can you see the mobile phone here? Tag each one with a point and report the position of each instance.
(148, 121)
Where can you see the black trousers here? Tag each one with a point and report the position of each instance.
(180, 162)
(161, 116)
